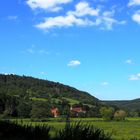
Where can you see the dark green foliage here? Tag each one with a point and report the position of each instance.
(2, 102)
(107, 113)
(10, 109)
(93, 112)
(23, 86)
(19, 97)
(64, 107)
(24, 109)
(13, 131)
(40, 110)
(82, 132)
(128, 105)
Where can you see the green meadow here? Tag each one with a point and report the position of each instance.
(124, 130)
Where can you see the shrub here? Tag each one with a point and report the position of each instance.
(120, 115)
(107, 113)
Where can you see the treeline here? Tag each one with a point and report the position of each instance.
(25, 107)
(132, 107)
(13, 106)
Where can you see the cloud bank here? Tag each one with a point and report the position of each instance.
(49, 5)
(84, 14)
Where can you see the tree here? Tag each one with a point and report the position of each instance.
(24, 109)
(120, 115)
(40, 109)
(107, 113)
(93, 112)
(2, 102)
(10, 106)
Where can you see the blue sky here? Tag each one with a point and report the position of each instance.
(93, 45)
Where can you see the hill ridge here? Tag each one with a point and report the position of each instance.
(42, 88)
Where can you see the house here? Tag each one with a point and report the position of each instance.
(76, 110)
(55, 112)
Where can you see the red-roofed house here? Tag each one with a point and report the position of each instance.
(55, 112)
(77, 110)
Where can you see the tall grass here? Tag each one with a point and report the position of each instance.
(14, 131)
(82, 132)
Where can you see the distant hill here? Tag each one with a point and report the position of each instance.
(125, 104)
(39, 89)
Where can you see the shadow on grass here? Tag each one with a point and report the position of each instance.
(14, 131)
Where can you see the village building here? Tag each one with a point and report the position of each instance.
(74, 110)
(55, 112)
(77, 110)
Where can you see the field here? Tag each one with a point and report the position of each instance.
(120, 130)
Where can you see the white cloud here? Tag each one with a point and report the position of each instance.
(136, 17)
(71, 18)
(49, 5)
(83, 9)
(84, 15)
(134, 2)
(134, 77)
(138, 74)
(63, 21)
(12, 17)
(74, 63)
(129, 61)
(104, 83)
(107, 20)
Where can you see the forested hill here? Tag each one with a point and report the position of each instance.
(22, 86)
(126, 104)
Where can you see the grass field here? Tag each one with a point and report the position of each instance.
(120, 130)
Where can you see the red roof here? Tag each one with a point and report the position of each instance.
(77, 109)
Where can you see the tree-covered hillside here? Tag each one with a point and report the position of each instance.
(22, 96)
(127, 104)
(132, 106)
(22, 85)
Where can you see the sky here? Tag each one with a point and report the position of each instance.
(92, 45)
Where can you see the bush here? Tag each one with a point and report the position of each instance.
(120, 115)
(107, 113)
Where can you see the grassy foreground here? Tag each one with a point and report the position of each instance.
(14, 131)
(125, 130)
